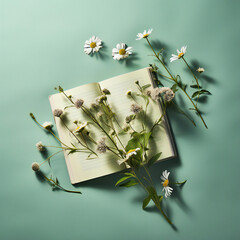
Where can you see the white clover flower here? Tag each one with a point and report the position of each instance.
(92, 45)
(35, 166)
(167, 93)
(81, 127)
(79, 103)
(40, 147)
(121, 51)
(200, 70)
(149, 92)
(168, 190)
(57, 112)
(135, 108)
(47, 125)
(180, 54)
(145, 34)
(155, 93)
(101, 145)
(129, 154)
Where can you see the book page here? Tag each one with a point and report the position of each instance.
(118, 86)
(79, 168)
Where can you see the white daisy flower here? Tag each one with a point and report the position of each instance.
(168, 190)
(80, 128)
(200, 70)
(129, 154)
(92, 45)
(145, 34)
(121, 51)
(47, 125)
(180, 54)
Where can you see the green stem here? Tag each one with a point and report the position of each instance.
(56, 184)
(51, 157)
(172, 78)
(181, 111)
(159, 59)
(49, 130)
(77, 138)
(191, 71)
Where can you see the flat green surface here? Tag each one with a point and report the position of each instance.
(41, 46)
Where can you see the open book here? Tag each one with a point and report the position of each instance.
(79, 167)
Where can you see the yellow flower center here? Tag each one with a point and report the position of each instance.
(77, 129)
(132, 150)
(93, 45)
(122, 51)
(165, 183)
(180, 55)
(146, 35)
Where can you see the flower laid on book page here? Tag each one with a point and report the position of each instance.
(180, 54)
(145, 34)
(92, 45)
(168, 190)
(121, 51)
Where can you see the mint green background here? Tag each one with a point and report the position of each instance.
(41, 46)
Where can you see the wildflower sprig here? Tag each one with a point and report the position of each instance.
(134, 154)
(178, 84)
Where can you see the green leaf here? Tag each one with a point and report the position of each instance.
(72, 151)
(154, 159)
(144, 138)
(151, 191)
(198, 93)
(146, 86)
(174, 87)
(129, 174)
(122, 180)
(129, 183)
(73, 145)
(160, 197)
(195, 86)
(146, 202)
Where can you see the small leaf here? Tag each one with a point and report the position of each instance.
(153, 159)
(129, 174)
(174, 87)
(195, 86)
(73, 145)
(122, 180)
(129, 183)
(160, 197)
(146, 201)
(146, 86)
(198, 93)
(72, 151)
